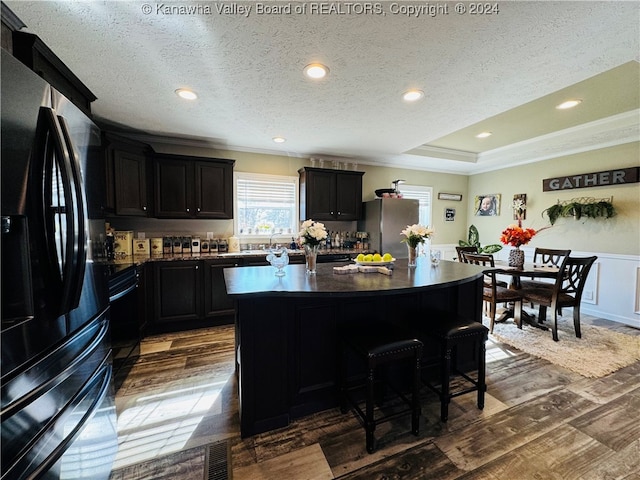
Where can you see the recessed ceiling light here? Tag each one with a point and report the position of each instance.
(568, 104)
(412, 95)
(186, 94)
(316, 71)
(279, 139)
(484, 135)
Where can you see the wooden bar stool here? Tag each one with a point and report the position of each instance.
(378, 349)
(452, 335)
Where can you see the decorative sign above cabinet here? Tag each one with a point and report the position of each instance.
(598, 179)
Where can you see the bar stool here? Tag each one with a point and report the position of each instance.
(377, 349)
(452, 334)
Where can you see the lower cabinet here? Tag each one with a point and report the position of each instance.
(187, 294)
(177, 291)
(190, 294)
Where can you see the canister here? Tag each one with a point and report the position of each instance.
(123, 243)
(141, 247)
(195, 245)
(234, 244)
(157, 247)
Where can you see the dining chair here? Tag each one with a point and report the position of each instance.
(493, 292)
(566, 292)
(462, 250)
(548, 257)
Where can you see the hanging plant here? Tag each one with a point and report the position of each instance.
(580, 207)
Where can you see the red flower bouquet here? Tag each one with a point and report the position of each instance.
(515, 235)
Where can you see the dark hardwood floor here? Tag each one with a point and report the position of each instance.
(540, 421)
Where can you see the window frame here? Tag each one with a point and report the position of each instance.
(265, 177)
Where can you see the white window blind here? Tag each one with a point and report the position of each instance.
(265, 204)
(423, 195)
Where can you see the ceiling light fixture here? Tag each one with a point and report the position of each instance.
(568, 104)
(412, 95)
(484, 135)
(316, 71)
(186, 94)
(279, 139)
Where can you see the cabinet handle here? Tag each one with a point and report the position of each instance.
(331, 213)
(187, 209)
(339, 213)
(198, 209)
(144, 208)
(197, 266)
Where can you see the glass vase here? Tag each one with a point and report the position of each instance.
(413, 254)
(310, 257)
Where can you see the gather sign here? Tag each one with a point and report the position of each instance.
(596, 179)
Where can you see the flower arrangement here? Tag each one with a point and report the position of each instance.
(416, 234)
(516, 236)
(312, 233)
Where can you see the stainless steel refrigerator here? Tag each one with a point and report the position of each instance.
(384, 219)
(57, 407)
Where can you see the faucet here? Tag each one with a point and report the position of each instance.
(271, 239)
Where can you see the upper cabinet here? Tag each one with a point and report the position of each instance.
(330, 194)
(127, 184)
(193, 187)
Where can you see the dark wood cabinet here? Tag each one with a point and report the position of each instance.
(177, 291)
(193, 187)
(330, 194)
(217, 303)
(127, 176)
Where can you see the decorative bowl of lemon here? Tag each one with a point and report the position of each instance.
(374, 259)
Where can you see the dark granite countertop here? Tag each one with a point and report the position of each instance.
(261, 281)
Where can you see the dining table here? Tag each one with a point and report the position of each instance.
(530, 270)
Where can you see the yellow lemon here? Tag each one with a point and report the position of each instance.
(368, 257)
(360, 257)
(377, 257)
(387, 257)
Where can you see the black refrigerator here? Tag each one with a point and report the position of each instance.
(57, 407)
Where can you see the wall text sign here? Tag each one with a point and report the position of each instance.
(597, 179)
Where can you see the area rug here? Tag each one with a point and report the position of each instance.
(599, 352)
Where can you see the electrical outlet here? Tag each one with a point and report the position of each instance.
(209, 235)
(587, 295)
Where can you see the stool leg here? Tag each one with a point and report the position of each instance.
(445, 374)
(482, 387)
(415, 397)
(369, 424)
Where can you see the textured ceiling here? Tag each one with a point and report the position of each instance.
(497, 72)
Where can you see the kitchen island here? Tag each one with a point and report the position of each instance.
(287, 328)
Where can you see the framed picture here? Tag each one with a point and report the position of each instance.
(487, 205)
(521, 199)
(450, 196)
(449, 214)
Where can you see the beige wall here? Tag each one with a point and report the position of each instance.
(618, 235)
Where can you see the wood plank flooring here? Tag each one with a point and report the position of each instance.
(540, 421)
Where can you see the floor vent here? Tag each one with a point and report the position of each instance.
(218, 461)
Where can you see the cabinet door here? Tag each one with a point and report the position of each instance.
(173, 192)
(130, 179)
(216, 301)
(213, 190)
(320, 196)
(178, 291)
(348, 196)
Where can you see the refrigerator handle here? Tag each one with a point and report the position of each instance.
(51, 155)
(80, 234)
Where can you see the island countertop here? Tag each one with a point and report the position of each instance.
(261, 281)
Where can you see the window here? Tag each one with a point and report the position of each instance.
(265, 204)
(423, 194)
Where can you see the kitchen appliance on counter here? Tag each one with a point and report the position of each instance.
(58, 415)
(384, 219)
